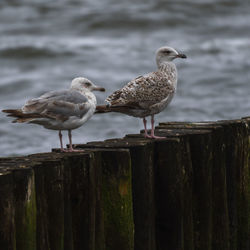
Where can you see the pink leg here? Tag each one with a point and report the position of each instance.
(70, 144)
(153, 129)
(61, 142)
(145, 128)
(70, 140)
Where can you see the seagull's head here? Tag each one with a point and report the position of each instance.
(81, 83)
(167, 54)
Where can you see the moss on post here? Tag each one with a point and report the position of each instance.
(142, 160)
(190, 191)
(25, 208)
(116, 195)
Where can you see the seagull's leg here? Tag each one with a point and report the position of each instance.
(153, 129)
(61, 142)
(145, 128)
(70, 140)
(70, 144)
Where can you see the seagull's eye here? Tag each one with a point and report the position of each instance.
(167, 52)
(87, 84)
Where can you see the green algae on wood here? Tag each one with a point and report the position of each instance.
(77, 198)
(25, 209)
(116, 198)
(142, 160)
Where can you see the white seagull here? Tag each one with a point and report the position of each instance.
(60, 110)
(149, 94)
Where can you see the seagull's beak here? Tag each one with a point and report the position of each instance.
(181, 56)
(97, 88)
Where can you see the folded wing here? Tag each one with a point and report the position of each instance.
(144, 91)
(58, 105)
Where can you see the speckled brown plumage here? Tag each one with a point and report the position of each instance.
(148, 94)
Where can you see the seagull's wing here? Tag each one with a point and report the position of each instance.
(58, 105)
(143, 91)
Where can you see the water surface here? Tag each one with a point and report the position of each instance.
(44, 44)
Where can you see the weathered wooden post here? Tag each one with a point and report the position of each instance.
(25, 208)
(49, 200)
(237, 169)
(199, 232)
(80, 184)
(116, 196)
(190, 191)
(7, 211)
(169, 195)
(142, 161)
(230, 142)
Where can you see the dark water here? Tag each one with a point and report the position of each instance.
(44, 44)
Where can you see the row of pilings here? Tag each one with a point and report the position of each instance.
(190, 191)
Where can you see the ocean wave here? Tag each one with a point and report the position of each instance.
(30, 52)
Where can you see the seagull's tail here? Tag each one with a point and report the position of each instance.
(103, 109)
(19, 115)
(113, 108)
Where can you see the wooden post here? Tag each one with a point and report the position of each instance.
(168, 168)
(201, 160)
(49, 200)
(80, 201)
(7, 212)
(234, 144)
(25, 208)
(190, 191)
(141, 152)
(237, 169)
(116, 198)
(220, 221)
(169, 195)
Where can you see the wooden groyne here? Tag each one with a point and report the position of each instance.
(189, 191)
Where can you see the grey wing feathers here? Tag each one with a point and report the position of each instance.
(63, 110)
(59, 104)
(63, 95)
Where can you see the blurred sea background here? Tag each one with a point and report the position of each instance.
(44, 44)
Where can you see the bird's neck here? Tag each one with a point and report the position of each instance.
(166, 66)
(91, 97)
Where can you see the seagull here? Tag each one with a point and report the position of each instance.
(149, 94)
(60, 110)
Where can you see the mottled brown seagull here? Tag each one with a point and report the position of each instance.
(149, 94)
(60, 110)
